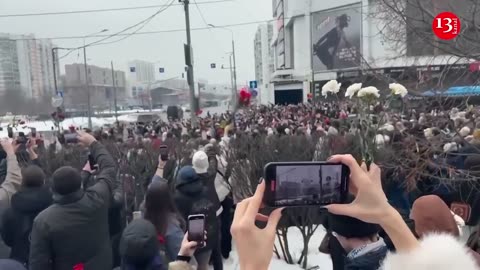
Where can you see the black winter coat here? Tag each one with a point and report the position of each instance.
(193, 198)
(74, 230)
(17, 220)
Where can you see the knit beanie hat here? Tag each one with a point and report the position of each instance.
(464, 132)
(200, 162)
(139, 244)
(186, 175)
(431, 214)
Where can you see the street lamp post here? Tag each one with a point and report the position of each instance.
(234, 90)
(89, 105)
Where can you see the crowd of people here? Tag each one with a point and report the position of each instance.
(61, 215)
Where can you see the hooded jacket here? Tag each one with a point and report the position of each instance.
(17, 221)
(192, 197)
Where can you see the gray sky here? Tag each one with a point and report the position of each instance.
(210, 46)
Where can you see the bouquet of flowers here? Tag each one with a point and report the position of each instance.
(368, 123)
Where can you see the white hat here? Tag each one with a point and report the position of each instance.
(464, 132)
(200, 162)
(269, 131)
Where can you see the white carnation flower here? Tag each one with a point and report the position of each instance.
(353, 89)
(428, 133)
(331, 87)
(398, 89)
(369, 91)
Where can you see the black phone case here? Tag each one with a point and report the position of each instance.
(202, 242)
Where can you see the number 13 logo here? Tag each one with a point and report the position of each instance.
(446, 25)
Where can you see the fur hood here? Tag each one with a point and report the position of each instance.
(179, 265)
(436, 251)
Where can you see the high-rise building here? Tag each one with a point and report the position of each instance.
(140, 75)
(100, 84)
(264, 62)
(26, 65)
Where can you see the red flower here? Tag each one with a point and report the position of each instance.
(79, 266)
(244, 97)
(161, 239)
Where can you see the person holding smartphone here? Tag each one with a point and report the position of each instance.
(74, 231)
(192, 198)
(13, 177)
(440, 252)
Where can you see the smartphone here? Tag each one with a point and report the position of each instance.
(91, 161)
(163, 152)
(21, 138)
(196, 229)
(10, 132)
(34, 132)
(70, 138)
(305, 183)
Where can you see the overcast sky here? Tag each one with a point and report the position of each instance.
(210, 46)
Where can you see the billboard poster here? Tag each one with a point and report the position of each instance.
(336, 36)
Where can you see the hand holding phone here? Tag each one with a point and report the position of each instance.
(10, 132)
(92, 163)
(196, 229)
(187, 248)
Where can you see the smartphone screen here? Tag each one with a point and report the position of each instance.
(71, 138)
(91, 161)
(163, 152)
(305, 183)
(10, 132)
(196, 228)
(34, 132)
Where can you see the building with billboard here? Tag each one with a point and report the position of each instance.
(349, 40)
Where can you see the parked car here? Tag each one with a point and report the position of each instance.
(174, 112)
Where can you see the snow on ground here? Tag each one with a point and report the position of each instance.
(315, 258)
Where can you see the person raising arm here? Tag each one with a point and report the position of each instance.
(13, 179)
